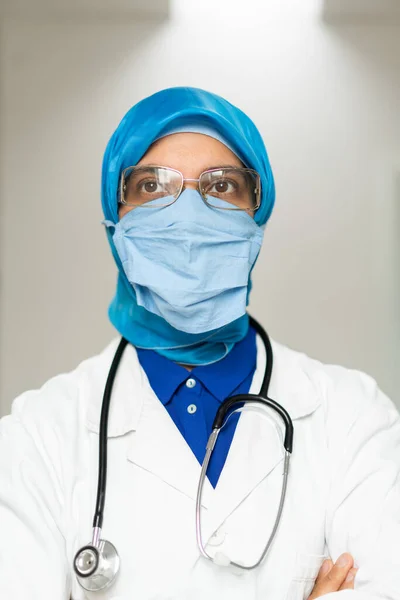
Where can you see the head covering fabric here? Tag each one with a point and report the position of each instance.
(147, 121)
(198, 128)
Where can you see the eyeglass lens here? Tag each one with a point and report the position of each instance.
(161, 186)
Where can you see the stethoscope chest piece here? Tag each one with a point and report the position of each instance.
(97, 567)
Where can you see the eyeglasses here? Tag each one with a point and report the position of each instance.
(154, 187)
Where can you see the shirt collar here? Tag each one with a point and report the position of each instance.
(223, 377)
(164, 375)
(295, 384)
(220, 378)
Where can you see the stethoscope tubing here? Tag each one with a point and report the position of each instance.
(224, 411)
(103, 435)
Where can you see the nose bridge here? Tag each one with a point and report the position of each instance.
(189, 183)
(193, 183)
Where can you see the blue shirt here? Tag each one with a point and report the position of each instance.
(192, 398)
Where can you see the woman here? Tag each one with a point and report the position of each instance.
(187, 191)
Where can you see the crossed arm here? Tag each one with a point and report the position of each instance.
(363, 514)
(334, 577)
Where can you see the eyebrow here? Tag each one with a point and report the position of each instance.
(224, 167)
(152, 165)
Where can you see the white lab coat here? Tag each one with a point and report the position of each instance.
(343, 490)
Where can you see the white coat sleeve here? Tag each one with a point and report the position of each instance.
(363, 515)
(32, 548)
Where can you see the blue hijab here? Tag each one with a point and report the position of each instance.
(141, 126)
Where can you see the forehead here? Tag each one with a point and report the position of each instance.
(180, 150)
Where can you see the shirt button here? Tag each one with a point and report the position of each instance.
(191, 409)
(191, 383)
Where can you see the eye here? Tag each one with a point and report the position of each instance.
(149, 186)
(223, 186)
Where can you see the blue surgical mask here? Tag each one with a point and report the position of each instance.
(189, 263)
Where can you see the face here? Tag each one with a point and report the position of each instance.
(189, 153)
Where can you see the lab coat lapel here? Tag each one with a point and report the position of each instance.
(256, 450)
(158, 447)
(155, 444)
(257, 447)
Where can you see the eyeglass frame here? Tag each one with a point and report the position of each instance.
(257, 190)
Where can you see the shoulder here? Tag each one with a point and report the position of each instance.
(343, 393)
(62, 400)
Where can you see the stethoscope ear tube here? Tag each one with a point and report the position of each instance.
(226, 407)
(269, 356)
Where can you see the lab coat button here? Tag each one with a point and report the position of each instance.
(191, 383)
(217, 538)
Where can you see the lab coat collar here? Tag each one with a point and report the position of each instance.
(127, 397)
(290, 386)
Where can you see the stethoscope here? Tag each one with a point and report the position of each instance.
(97, 564)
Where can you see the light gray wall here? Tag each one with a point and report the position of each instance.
(362, 11)
(120, 9)
(326, 99)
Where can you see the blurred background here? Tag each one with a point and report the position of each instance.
(321, 79)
